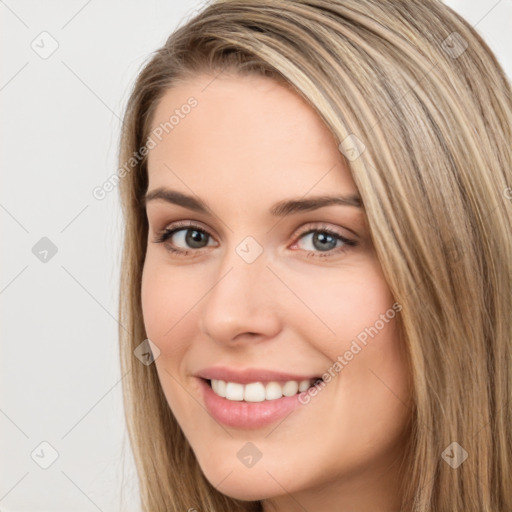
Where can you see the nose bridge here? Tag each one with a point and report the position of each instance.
(243, 267)
(240, 298)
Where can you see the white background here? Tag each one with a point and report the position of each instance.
(60, 119)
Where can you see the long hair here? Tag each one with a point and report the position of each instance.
(422, 112)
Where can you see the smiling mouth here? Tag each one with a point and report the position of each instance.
(260, 391)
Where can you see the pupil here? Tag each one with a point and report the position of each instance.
(323, 238)
(194, 238)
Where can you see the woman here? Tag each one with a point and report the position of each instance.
(318, 261)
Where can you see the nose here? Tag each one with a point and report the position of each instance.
(241, 303)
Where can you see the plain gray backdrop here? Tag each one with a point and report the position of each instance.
(66, 70)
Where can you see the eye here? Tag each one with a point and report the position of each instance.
(184, 237)
(324, 242)
(187, 238)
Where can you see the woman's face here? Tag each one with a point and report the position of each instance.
(270, 286)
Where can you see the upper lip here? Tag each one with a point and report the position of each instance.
(248, 375)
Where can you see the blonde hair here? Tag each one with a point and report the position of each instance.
(422, 111)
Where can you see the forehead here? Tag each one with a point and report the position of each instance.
(246, 134)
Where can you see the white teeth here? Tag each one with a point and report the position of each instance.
(290, 388)
(273, 390)
(234, 391)
(257, 391)
(254, 392)
(219, 386)
(304, 385)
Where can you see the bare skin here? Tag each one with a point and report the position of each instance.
(248, 144)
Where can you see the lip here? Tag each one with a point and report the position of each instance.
(248, 375)
(246, 415)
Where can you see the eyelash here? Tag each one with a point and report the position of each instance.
(167, 233)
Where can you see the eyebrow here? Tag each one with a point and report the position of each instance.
(280, 209)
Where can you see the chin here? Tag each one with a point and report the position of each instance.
(245, 484)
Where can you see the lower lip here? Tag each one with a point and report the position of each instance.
(242, 414)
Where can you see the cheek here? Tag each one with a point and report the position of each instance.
(355, 326)
(346, 306)
(167, 296)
